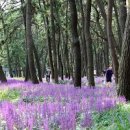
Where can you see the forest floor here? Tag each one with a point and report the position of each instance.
(24, 106)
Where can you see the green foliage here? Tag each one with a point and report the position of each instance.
(9, 94)
(115, 119)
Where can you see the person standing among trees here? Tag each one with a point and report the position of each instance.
(109, 74)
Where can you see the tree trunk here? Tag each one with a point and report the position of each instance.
(47, 24)
(44, 60)
(50, 48)
(9, 62)
(2, 75)
(37, 62)
(7, 47)
(34, 49)
(30, 43)
(104, 34)
(54, 42)
(60, 64)
(118, 27)
(27, 72)
(110, 39)
(76, 44)
(122, 15)
(66, 52)
(106, 54)
(124, 68)
(89, 45)
(83, 35)
(96, 61)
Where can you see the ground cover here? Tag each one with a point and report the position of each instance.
(61, 107)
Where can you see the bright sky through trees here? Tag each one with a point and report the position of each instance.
(4, 3)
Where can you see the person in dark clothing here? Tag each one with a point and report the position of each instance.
(109, 74)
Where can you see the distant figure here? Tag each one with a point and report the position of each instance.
(48, 73)
(109, 74)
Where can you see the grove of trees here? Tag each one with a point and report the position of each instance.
(71, 37)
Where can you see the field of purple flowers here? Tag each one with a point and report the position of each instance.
(53, 107)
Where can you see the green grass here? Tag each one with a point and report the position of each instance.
(115, 119)
(12, 95)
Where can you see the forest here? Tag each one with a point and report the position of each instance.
(64, 64)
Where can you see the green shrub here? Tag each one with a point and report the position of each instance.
(9, 94)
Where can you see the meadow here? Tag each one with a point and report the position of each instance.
(24, 106)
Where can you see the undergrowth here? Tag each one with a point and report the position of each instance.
(114, 119)
(9, 95)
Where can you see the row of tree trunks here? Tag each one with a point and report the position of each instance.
(114, 48)
(103, 37)
(7, 49)
(104, 33)
(59, 41)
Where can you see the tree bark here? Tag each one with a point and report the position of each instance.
(27, 77)
(27, 71)
(2, 75)
(104, 34)
(49, 43)
(60, 64)
(76, 44)
(30, 43)
(50, 49)
(66, 52)
(124, 69)
(118, 27)
(91, 82)
(54, 42)
(83, 35)
(110, 39)
(38, 63)
(122, 15)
